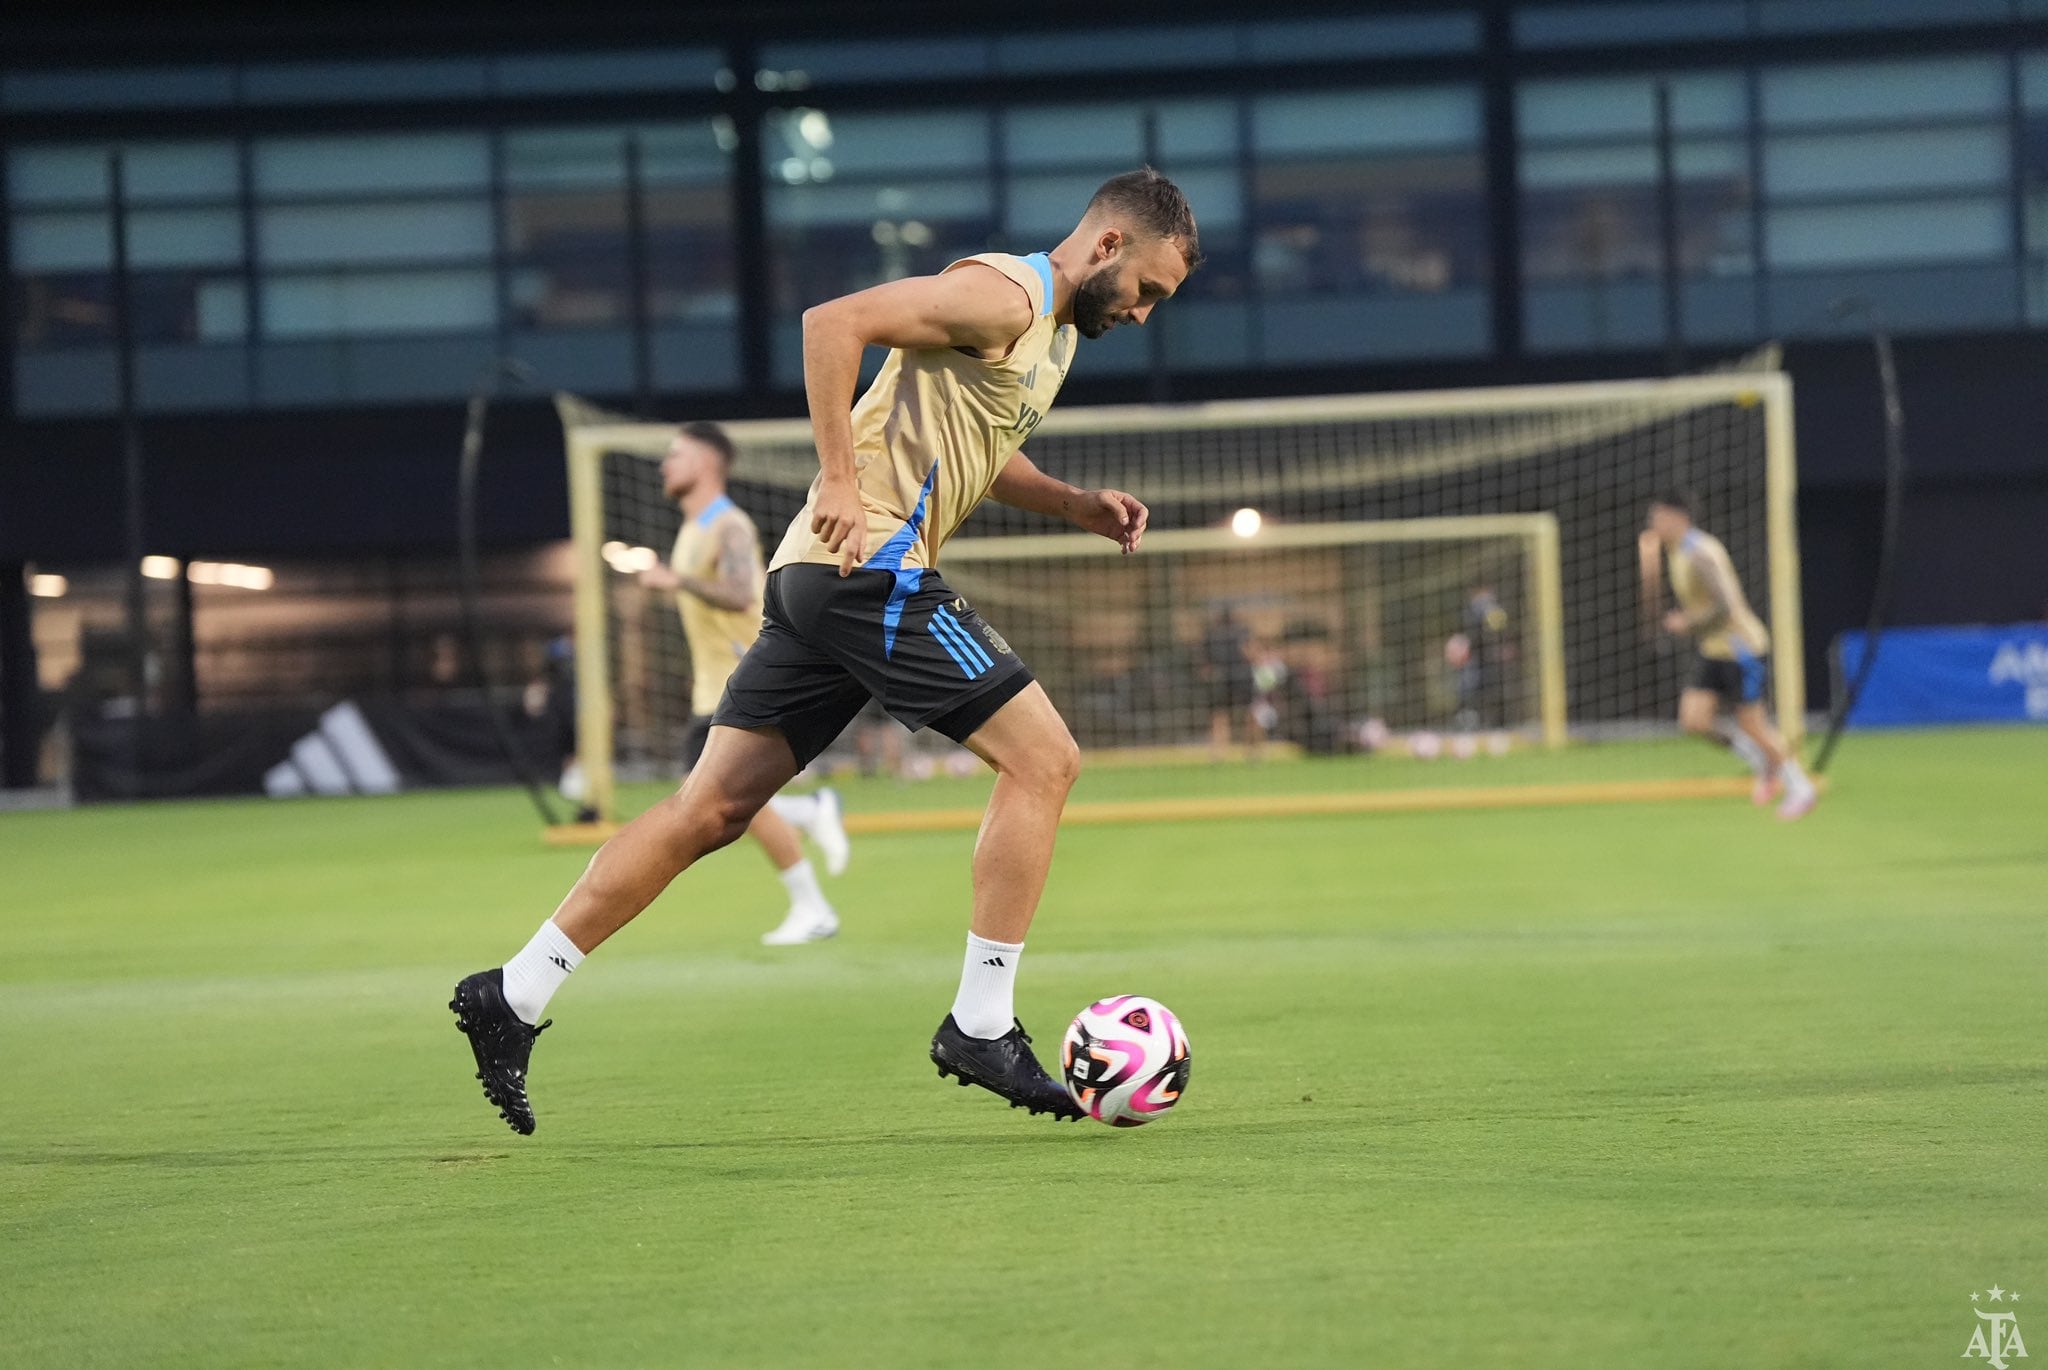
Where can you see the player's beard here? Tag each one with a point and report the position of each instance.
(1095, 304)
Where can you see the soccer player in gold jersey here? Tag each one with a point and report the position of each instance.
(716, 574)
(856, 608)
(1731, 649)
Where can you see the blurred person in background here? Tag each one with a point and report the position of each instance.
(1481, 653)
(1731, 649)
(550, 699)
(1228, 677)
(716, 574)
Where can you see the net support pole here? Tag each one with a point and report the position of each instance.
(593, 654)
(1780, 525)
(1781, 501)
(1546, 577)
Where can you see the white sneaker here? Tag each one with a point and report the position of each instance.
(828, 830)
(803, 923)
(1798, 802)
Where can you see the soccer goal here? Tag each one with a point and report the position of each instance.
(1445, 577)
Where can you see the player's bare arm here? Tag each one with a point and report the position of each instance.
(733, 587)
(1113, 514)
(974, 307)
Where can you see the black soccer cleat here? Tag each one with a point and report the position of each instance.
(1003, 1066)
(502, 1042)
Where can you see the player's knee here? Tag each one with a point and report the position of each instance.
(1058, 763)
(1049, 764)
(727, 818)
(1070, 761)
(705, 819)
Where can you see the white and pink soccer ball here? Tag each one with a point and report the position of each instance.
(1125, 1060)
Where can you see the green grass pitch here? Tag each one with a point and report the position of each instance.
(1670, 1085)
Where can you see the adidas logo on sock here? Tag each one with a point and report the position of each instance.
(995, 961)
(562, 962)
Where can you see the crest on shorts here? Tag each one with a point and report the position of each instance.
(962, 609)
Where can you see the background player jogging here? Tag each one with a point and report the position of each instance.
(716, 574)
(855, 608)
(1731, 649)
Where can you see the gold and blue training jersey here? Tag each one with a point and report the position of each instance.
(936, 427)
(1704, 581)
(718, 637)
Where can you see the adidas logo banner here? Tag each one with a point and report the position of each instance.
(341, 756)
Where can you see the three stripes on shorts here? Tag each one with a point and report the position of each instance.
(969, 655)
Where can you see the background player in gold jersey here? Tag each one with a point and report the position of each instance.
(855, 608)
(716, 574)
(1731, 649)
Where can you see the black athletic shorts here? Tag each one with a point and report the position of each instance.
(1738, 682)
(828, 644)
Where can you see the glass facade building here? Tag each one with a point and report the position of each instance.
(1453, 182)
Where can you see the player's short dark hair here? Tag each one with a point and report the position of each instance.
(1672, 497)
(1154, 205)
(714, 437)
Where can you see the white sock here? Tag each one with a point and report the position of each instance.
(985, 1005)
(800, 809)
(533, 976)
(1796, 778)
(802, 883)
(1745, 747)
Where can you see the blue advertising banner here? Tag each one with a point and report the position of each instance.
(1951, 675)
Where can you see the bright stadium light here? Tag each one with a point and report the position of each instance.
(233, 574)
(1246, 523)
(815, 127)
(45, 585)
(160, 568)
(628, 560)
